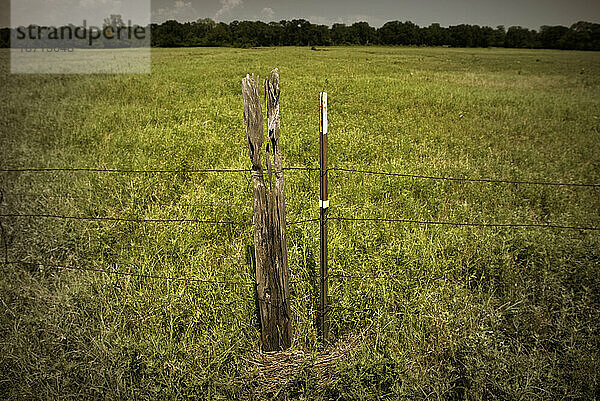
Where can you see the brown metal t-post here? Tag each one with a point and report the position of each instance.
(324, 206)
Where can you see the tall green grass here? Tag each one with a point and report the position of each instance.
(470, 313)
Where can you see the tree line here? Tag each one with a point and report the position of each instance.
(299, 32)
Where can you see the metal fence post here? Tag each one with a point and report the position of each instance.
(323, 206)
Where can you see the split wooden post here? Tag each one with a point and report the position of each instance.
(270, 245)
(324, 207)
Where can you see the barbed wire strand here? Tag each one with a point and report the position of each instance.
(289, 223)
(125, 219)
(141, 200)
(119, 171)
(136, 171)
(149, 202)
(122, 273)
(488, 180)
(134, 220)
(302, 168)
(450, 223)
(333, 307)
(376, 277)
(191, 171)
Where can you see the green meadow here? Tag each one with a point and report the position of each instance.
(425, 312)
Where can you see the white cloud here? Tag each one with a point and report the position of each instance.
(181, 11)
(320, 20)
(96, 3)
(267, 12)
(59, 12)
(351, 19)
(347, 19)
(227, 6)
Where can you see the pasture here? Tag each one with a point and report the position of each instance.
(431, 311)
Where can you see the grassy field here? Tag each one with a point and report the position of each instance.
(471, 312)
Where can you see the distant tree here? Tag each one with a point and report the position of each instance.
(461, 35)
(586, 35)
(553, 37)
(275, 34)
(480, 35)
(299, 32)
(201, 29)
(363, 34)
(220, 36)
(249, 33)
(319, 35)
(520, 37)
(296, 32)
(498, 36)
(435, 35)
(340, 34)
(170, 34)
(400, 33)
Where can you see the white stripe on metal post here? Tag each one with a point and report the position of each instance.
(324, 113)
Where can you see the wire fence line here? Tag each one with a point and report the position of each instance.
(137, 220)
(42, 195)
(469, 224)
(370, 277)
(123, 273)
(361, 277)
(300, 168)
(138, 171)
(334, 218)
(485, 180)
(289, 223)
(126, 219)
(120, 171)
(385, 276)
(342, 276)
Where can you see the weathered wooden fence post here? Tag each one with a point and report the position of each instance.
(270, 243)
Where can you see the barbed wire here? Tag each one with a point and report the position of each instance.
(120, 171)
(487, 180)
(143, 201)
(122, 273)
(44, 195)
(376, 277)
(289, 223)
(125, 219)
(471, 224)
(368, 277)
(349, 308)
(354, 219)
(137, 220)
(136, 171)
(301, 168)
(282, 302)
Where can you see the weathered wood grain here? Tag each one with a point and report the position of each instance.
(269, 214)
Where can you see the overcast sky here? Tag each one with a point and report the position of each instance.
(528, 13)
